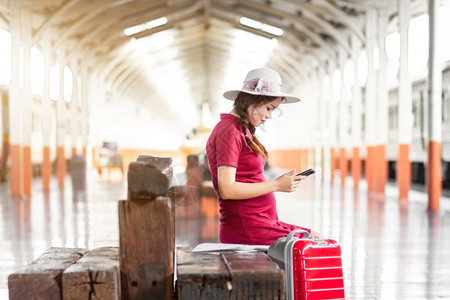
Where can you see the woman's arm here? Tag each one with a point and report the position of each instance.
(229, 189)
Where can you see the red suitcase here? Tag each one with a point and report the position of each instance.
(313, 267)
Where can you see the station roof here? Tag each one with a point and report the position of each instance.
(191, 45)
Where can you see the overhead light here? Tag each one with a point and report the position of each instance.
(261, 26)
(145, 26)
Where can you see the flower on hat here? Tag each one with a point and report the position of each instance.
(262, 85)
(262, 81)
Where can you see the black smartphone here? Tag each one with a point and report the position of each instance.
(307, 172)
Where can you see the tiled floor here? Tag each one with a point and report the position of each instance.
(390, 250)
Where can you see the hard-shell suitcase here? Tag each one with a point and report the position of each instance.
(313, 267)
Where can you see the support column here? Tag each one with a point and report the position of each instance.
(27, 113)
(85, 116)
(343, 120)
(403, 172)
(319, 129)
(325, 123)
(370, 116)
(333, 147)
(356, 114)
(46, 118)
(74, 115)
(16, 108)
(381, 165)
(434, 179)
(61, 128)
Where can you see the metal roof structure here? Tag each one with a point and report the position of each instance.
(89, 35)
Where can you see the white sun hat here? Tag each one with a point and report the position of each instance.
(262, 81)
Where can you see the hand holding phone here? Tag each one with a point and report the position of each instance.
(307, 172)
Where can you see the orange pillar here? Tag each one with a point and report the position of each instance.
(46, 169)
(61, 165)
(322, 161)
(381, 169)
(370, 158)
(403, 172)
(343, 164)
(74, 150)
(333, 163)
(16, 171)
(434, 175)
(27, 170)
(356, 167)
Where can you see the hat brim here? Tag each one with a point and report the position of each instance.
(232, 95)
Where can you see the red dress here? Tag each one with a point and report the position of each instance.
(247, 221)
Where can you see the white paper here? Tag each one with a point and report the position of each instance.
(222, 247)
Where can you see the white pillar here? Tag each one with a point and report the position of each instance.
(74, 114)
(382, 92)
(26, 92)
(405, 117)
(381, 166)
(26, 98)
(61, 125)
(61, 107)
(46, 102)
(46, 115)
(356, 127)
(434, 177)
(325, 121)
(343, 118)
(15, 101)
(370, 112)
(320, 116)
(404, 90)
(334, 94)
(15, 106)
(435, 75)
(85, 111)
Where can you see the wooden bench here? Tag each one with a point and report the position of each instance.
(41, 279)
(142, 267)
(94, 276)
(227, 275)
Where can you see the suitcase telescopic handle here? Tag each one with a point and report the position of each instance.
(293, 232)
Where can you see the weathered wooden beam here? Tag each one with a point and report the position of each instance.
(94, 276)
(202, 276)
(145, 181)
(147, 238)
(254, 276)
(147, 233)
(230, 275)
(164, 164)
(42, 278)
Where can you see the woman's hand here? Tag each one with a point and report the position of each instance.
(288, 182)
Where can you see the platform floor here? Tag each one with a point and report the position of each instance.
(390, 250)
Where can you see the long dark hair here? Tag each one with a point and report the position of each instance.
(242, 102)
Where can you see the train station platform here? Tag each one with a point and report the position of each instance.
(390, 250)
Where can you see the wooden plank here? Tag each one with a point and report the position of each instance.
(229, 275)
(147, 238)
(204, 276)
(42, 278)
(255, 276)
(93, 276)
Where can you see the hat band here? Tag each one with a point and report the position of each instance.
(262, 85)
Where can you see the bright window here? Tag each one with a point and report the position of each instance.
(5, 57)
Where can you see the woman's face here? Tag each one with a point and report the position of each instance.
(258, 114)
